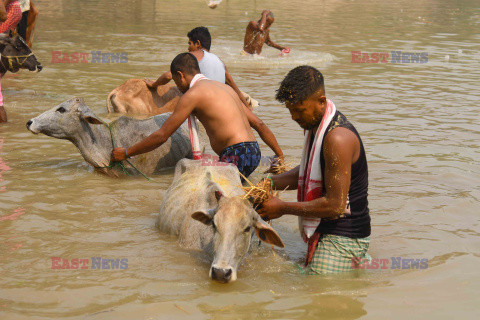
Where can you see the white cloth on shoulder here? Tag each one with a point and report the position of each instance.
(310, 180)
(193, 125)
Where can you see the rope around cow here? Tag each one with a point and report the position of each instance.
(119, 163)
(10, 58)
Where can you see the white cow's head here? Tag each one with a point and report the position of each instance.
(64, 121)
(233, 221)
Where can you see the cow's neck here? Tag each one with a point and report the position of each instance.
(95, 144)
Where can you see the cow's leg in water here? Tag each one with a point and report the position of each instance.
(3, 113)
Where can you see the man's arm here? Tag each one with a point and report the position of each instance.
(162, 80)
(3, 11)
(270, 43)
(3, 115)
(263, 131)
(183, 109)
(340, 146)
(229, 81)
(287, 180)
(263, 20)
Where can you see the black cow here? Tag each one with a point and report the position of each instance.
(15, 55)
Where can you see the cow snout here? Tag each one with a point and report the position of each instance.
(39, 68)
(221, 274)
(31, 128)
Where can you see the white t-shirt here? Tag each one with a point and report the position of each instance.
(212, 67)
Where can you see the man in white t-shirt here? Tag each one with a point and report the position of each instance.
(199, 42)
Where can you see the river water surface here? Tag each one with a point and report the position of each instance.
(419, 123)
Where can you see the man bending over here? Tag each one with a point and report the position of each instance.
(331, 181)
(226, 119)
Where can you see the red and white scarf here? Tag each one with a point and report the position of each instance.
(193, 126)
(310, 180)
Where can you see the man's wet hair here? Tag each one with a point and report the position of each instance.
(185, 63)
(201, 34)
(299, 84)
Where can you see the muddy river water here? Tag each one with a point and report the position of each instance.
(419, 123)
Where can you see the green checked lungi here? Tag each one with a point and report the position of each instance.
(335, 254)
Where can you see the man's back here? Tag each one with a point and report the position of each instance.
(219, 109)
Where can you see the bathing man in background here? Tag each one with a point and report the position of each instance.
(258, 33)
(199, 43)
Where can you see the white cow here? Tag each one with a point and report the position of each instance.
(205, 209)
(74, 121)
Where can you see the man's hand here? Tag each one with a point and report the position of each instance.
(271, 209)
(284, 51)
(276, 162)
(150, 83)
(265, 12)
(263, 20)
(119, 154)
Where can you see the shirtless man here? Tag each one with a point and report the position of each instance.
(199, 42)
(258, 33)
(226, 119)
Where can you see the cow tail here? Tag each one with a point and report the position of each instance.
(109, 101)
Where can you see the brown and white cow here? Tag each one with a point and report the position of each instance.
(134, 97)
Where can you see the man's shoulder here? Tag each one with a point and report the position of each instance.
(207, 89)
(201, 86)
(340, 137)
(213, 57)
(253, 24)
(212, 54)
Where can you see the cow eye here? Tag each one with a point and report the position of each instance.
(247, 229)
(61, 109)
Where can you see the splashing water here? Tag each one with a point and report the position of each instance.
(212, 4)
(229, 52)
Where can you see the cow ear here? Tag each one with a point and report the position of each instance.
(265, 233)
(86, 114)
(92, 119)
(214, 188)
(204, 216)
